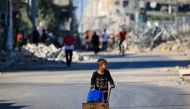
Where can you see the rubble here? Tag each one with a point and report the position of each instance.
(50, 52)
(173, 46)
(158, 39)
(40, 53)
(184, 74)
(185, 71)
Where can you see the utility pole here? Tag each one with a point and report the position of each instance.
(31, 11)
(10, 27)
(81, 17)
(3, 24)
(176, 15)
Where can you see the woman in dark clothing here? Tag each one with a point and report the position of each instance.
(100, 79)
(95, 43)
(44, 36)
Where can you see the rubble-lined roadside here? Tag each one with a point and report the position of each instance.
(36, 56)
(179, 45)
(40, 55)
(50, 53)
(184, 74)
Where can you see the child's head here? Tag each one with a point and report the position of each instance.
(101, 61)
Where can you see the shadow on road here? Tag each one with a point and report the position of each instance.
(5, 105)
(114, 62)
(140, 95)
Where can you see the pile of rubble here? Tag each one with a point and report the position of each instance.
(184, 71)
(50, 53)
(184, 74)
(41, 53)
(161, 38)
(178, 45)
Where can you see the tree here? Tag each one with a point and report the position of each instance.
(47, 11)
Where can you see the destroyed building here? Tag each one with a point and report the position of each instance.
(103, 14)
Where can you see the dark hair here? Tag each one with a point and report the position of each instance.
(101, 61)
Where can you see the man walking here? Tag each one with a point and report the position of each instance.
(68, 42)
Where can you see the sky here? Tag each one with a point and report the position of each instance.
(79, 4)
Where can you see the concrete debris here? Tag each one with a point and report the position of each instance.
(173, 46)
(184, 71)
(37, 53)
(158, 39)
(50, 52)
(184, 74)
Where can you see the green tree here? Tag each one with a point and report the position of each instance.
(46, 10)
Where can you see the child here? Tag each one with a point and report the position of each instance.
(100, 78)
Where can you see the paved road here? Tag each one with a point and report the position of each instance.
(143, 81)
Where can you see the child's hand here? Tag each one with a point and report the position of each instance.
(91, 87)
(112, 86)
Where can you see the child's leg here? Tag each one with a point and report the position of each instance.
(105, 99)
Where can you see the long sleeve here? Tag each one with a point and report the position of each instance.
(110, 79)
(93, 79)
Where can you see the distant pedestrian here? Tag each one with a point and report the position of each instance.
(68, 42)
(122, 37)
(95, 43)
(44, 36)
(19, 41)
(35, 36)
(111, 41)
(87, 41)
(104, 40)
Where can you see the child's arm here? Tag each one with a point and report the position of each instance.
(111, 80)
(93, 79)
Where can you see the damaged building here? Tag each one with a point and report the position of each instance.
(116, 13)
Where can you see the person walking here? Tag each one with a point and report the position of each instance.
(122, 37)
(68, 42)
(87, 41)
(35, 36)
(95, 42)
(44, 36)
(19, 41)
(104, 40)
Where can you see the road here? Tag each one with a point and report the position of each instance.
(143, 81)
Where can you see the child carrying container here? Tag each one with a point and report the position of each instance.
(100, 79)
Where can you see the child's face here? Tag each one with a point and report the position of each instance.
(103, 66)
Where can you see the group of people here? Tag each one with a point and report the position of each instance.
(101, 77)
(26, 36)
(101, 41)
(68, 43)
(94, 41)
(48, 38)
(35, 37)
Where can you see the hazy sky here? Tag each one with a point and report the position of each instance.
(79, 4)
